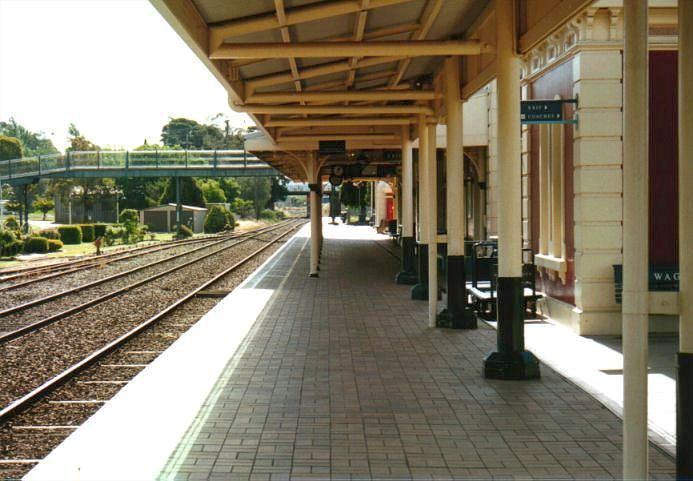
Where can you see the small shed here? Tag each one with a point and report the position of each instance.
(162, 218)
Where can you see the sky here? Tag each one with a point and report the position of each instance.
(114, 68)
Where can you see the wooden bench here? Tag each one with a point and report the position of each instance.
(483, 285)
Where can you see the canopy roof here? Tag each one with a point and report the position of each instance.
(353, 70)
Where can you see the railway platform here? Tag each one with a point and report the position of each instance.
(339, 377)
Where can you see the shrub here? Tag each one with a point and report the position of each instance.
(8, 243)
(54, 245)
(112, 235)
(230, 220)
(130, 219)
(12, 249)
(11, 223)
(36, 245)
(184, 231)
(216, 220)
(100, 230)
(280, 214)
(70, 234)
(10, 148)
(87, 232)
(49, 234)
(268, 214)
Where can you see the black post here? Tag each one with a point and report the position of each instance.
(179, 209)
(420, 291)
(684, 417)
(458, 313)
(511, 360)
(407, 276)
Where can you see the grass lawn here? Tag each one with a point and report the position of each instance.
(85, 248)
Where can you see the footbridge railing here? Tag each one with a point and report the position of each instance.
(135, 163)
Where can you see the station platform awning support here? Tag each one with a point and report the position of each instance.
(408, 274)
(635, 239)
(511, 360)
(420, 289)
(457, 314)
(684, 420)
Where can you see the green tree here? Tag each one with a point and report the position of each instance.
(256, 190)
(78, 142)
(211, 191)
(278, 190)
(231, 188)
(190, 192)
(190, 134)
(244, 208)
(44, 204)
(10, 148)
(33, 143)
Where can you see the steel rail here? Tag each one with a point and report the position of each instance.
(24, 402)
(57, 295)
(34, 326)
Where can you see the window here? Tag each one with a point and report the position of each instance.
(551, 255)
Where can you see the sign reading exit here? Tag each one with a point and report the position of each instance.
(544, 112)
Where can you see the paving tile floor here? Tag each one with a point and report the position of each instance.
(342, 379)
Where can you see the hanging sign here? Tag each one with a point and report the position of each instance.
(544, 112)
(331, 147)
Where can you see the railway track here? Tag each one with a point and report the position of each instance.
(32, 424)
(18, 278)
(23, 317)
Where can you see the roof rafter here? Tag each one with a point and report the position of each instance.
(336, 109)
(411, 48)
(428, 17)
(341, 96)
(316, 71)
(372, 35)
(286, 38)
(219, 31)
(359, 29)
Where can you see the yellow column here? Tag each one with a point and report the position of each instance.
(407, 184)
(420, 290)
(635, 240)
(456, 212)
(511, 360)
(432, 207)
(408, 274)
(315, 218)
(684, 425)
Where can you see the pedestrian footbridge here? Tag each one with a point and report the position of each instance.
(149, 163)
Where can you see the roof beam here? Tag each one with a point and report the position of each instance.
(317, 11)
(412, 48)
(372, 35)
(314, 137)
(341, 96)
(286, 38)
(428, 17)
(337, 109)
(316, 71)
(359, 29)
(340, 121)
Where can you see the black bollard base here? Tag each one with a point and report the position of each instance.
(684, 417)
(315, 274)
(459, 320)
(420, 292)
(406, 278)
(517, 366)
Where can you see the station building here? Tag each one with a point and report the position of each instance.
(427, 95)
